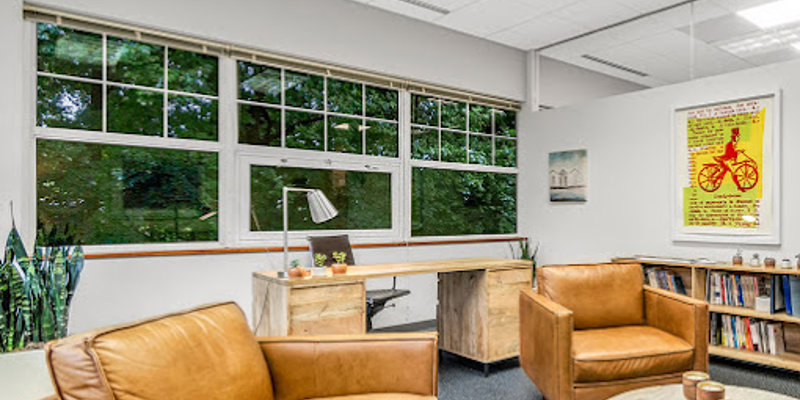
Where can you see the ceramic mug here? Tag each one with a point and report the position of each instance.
(690, 380)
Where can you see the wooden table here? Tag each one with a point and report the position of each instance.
(478, 310)
(675, 392)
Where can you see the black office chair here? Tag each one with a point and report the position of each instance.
(376, 299)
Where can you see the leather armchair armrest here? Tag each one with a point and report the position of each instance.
(546, 344)
(326, 366)
(682, 316)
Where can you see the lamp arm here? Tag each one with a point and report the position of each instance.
(285, 207)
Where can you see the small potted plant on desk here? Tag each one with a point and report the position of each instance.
(340, 266)
(319, 264)
(296, 271)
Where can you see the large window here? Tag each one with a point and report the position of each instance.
(139, 142)
(284, 108)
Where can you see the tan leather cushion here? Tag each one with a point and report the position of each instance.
(599, 296)
(305, 367)
(207, 353)
(379, 396)
(627, 352)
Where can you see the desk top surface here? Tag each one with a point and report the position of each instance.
(361, 272)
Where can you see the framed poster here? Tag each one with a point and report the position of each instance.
(726, 165)
(568, 176)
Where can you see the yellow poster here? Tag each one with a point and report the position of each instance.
(725, 170)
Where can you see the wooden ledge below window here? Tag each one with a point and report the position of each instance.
(237, 250)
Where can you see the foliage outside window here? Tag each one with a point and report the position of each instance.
(453, 202)
(106, 194)
(119, 194)
(139, 88)
(363, 199)
(458, 132)
(283, 108)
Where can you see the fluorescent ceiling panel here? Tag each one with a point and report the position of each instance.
(773, 14)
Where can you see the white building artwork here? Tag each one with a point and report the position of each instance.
(568, 177)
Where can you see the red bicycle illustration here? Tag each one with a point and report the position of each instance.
(744, 174)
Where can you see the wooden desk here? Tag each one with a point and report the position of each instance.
(478, 310)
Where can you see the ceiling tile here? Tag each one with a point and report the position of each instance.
(786, 54)
(682, 16)
(406, 9)
(648, 5)
(451, 5)
(595, 14)
(544, 30)
(488, 16)
(738, 5)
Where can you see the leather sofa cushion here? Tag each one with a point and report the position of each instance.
(627, 352)
(207, 353)
(599, 296)
(379, 396)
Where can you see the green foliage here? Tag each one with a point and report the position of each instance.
(319, 259)
(339, 257)
(294, 263)
(36, 291)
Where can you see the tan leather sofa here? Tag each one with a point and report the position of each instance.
(593, 331)
(209, 353)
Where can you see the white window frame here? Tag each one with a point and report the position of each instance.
(234, 161)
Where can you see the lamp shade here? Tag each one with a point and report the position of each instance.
(321, 208)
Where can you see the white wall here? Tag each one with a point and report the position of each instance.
(562, 84)
(339, 31)
(628, 139)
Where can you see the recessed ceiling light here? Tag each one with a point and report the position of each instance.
(761, 42)
(773, 14)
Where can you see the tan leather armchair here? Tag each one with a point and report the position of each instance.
(593, 331)
(209, 353)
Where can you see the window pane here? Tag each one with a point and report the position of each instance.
(259, 83)
(135, 111)
(424, 110)
(305, 130)
(192, 117)
(505, 152)
(344, 97)
(454, 147)
(105, 194)
(505, 123)
(424, 144)
(382, 139)
(480, 119)
(344, 135)
(449, 202)
(259, 125)
(363, 199)
(62, 103)
(192, 72)
(454, 115)
(304, 90)
(480, 149)
(135, 63)
(381, 103)
(69, 52)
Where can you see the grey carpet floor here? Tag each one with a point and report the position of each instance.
(463, 379)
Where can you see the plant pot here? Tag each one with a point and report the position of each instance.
(769, 262)
(339, 268)
(738, 260)
(297, 272)
(24, 375)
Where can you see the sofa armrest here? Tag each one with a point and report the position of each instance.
(546, 344)
(326, 366)
(682, 316)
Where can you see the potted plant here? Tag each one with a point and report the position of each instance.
(36, 291)
(319, 264)
(340, 266)
(296, 271)
(527, 252)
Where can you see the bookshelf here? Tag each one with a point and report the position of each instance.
(696, 288)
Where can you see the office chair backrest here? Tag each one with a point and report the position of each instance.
(328, 244)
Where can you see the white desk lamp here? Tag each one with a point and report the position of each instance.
(321, 209)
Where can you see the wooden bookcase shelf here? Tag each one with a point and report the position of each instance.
(697, 288)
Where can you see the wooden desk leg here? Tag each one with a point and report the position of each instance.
(337, 309)
(478, 313)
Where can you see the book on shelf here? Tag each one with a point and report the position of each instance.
(664, 278)
(745, 333)
(760, 292)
